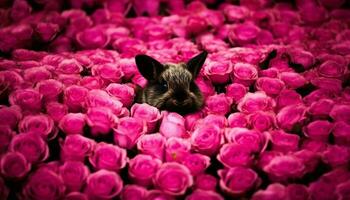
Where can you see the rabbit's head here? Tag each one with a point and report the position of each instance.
(171, 86)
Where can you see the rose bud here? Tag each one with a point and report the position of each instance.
(297, 192)
(341, 113)
(322, 189)
(274, 191)
(318, 130)
(257, 101)
(243, 34)
(172, 125)
(218, 104)
(218, 72)
(29, 100)
(321, 108)
(237, 181)
(157, 194)
(207, 139)
(43, 184)
(76, 196)
(237, 119)
(6, 135)
(176, 149)
(164, 178)
(4, 191)
(291, 115)
(262, 121)
(271, 86)
(336, 156)
(205, 86)
(92, 38)
(147, 113)
(100, 98)
(31, 145)
(100, 120)
(108, 72)
(196, 163)
(191, 120)
(205, 182)
(284, 142)
(13, 165)
(36, 74)
(142, 169)
(74, 97)
(288, 97)
(232, 155)
(47, 31)
(202, 194)
(50, 89)
(72, 123)
(133, 192)
(56, 110)
(74, 174)
(244, 73)
(342, 190)
(236, 91)
(122, 92)
(152, 144)
(108, 156)
(76, 148)
(103, 185)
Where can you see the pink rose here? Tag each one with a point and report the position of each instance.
(156, 32)
(74, 97)
(36, 74)
(108, 156)
(235, 13)
(196, 163)
(40, 124)
(196, 24)
(288, 97)
(257, 101)
(108, 72)
(69, 66)
(202, 194)
(76, 196)
(237, 119)
(309, 158)
(92, 38)
(207, 139)
(304, 58)
(290, 116)
(4, 191)
(128, 67)
(91, 82)
(129, 46)
(73, 174)
(237, 181)
(6, 135)
(56, 110)
(19, 10)
(236, 91)
(341, 113)
(152, 144)
(191, 120)
(274, 191)
(205, 86)
(312, 14)
(50, 89)
(218, 72)
(218, 104)
(122, 92)
(341, 133)
(47, 31)
(69, 79)
(271, 86)
(321, 108)
(217, 120)
(264, 37)
(172, 125)
(76, 148)
(284, 142)
(244, 73)
(43, 184)
(157, 194)
(336, 156)
(252, 139)
(262, 121)
(10, 116)
(243, 34)
(269, 72)
(31, 145)
(133, 192)
(176, 149)
(165, 181)
(147, 113)
(10, 79)
(317, 95)
(128, 131)
(205, 182)
(100, 120)
(29, 100)
(297, 192)
(322, 189)
(342, 190)
(103, 185)
(318, 130)
(72, 123)
(13, 165)
(328, 84)
(331, 69)
(142, 169)
(314, 145)
(232, 155)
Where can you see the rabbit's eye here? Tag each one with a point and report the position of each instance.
(163, 85)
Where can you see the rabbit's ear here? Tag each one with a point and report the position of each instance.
(195, 64)
(149, 67)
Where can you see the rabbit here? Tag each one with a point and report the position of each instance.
(171, 86)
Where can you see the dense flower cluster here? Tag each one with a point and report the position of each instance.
(276, 119)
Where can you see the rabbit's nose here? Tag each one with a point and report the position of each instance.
(180, 96)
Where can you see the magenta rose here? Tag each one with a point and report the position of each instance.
(40, 124)
(13, 165)
(297, 192)
(29, 100)
(322, 189)
(109, 157)
(235, 13)
(108, 72)
(69, 66)
(202, 194)
(147, 113)
(257, 101)
(237, 119)
(214, 119)
(275, 191)
(122, 92)
(205, 86)
(6, 135)
(232, 155)
(47, 31)
(10, 79)
(129, 46)
(50, 89)
(176, 149)
(92, 38)
(254, 140)
(100, 120)
(236, 91)
(19, 10)
(158, 194)
(244, 73)
(31, 145)
(336, 156)
(237, 181)
(76, 196)
(341, 133)
(304, 58)
(72, 123)
(142, 169)
(271, 86)
(76, 148)
(290, 116)
(288, 97)
(243, 34)
(152, 144)
(318, 130)
(191, 120)
(341, 113)
(218, 104)
(309, 158)
(218, 72)
(103, 185)
(331, 69)
(314, 145)
(284, 142)
(205, 182)
(196, 163)
(262, 121)
(128, 131)
(156, 32)
(172, 125)
(173, 178)
(342, 190)
(73, 174)
(36, 74)
(128, 67)
(91, 82)
(133, 192)
(321, 108)
(56, 110)
(196, 24)
(74, 97)
(207, 139)
(43, 184)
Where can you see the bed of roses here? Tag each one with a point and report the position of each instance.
(276, 83)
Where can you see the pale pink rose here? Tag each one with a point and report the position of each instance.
(29, 100)
(108, 72)
(164, 178)
(237, 181)
(243, 34)
(73, 174)
(109, 157)
(207, 139)
(103, 185)
(318, 130)
(244, 73)
(202, 194)
(38, 184)
(73, 123)
(236, 91)
(191, 120)
(122, 92)
(218, 104)
(321, 108)
(271, 86)
(56, 110)
(100, 120)
(50, 89)
(336, 156)
(152, 144)
(288, 97)
(237, 119)
(341, 133)
(274, 191)
(196, 163)
(172, 125)
(13, 165)
(340, 113)
(76, 196)
(76, 148)
(205, 182)
(322, 189)
(147, 113)
(158, 194)
(40, 124)
(4, 191)
(92, 38)
(251, 139)
(290, 116)
(6, 135)
(284, 142)
(36, 74)
(176, 149)
(74, 97)
(133, 192)
(31, 145)
(10, 116)
(262, 121)
(232, 155)
(69, 66)
(218, 73)
(142, 169)
(257, 101)
(128, 131)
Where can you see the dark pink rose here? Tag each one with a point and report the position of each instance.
(264, 37)
(202, 194)
(74, 97)
(19, 10)
(51, 165)
(10, 80)
(237, 181)
(173, 178)
(205, 182)
(69, 66)
(4, 191)
(6, 135)
(108, 156)
(40, 124)
(31, 145)
(290, 116)
(262, 121)
(218, 72)
(309, 158)
(172, 125)
(342, 190)
(218, 104)
(176, 149)
(328, 84)
(76, 196)
(288, 97)
(243, 34)
(297, 192)
(13, 165)
(321, 108)
(108, 72)
(128, 131)
(304, 58)
(196, 24)
(133, 192)
(317, 95)
(139, 80)
(271, 86)
(56, 110)
(207, 139)
(232, 155)
(235, 13)
(129, 46)
(74, 174)
(156, 32)
(252, 139)
(322, 189)
(47, 31)
(236, 91)
(341, 113)
(100, 120)
(92, 38)
(341, 133)
(244, 73)
(257, 101)
(43, 184)
(147, 113)
(122, 92)
(36, 74)
(205, 86)
(191, 120)
(10, 116)
(29, 100)
(237, 119)
(100, 98)
(331, 69)
(73, 123)
(314, 145)
(336, 155)
(50, 89)
(142, 169)
(284, 142)
(91, 82)
(149, 7)
(152, 144)
(76, 148)
(274, 191)
(103, 185)
(318, 130)
(196, 163)
(158, 194)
